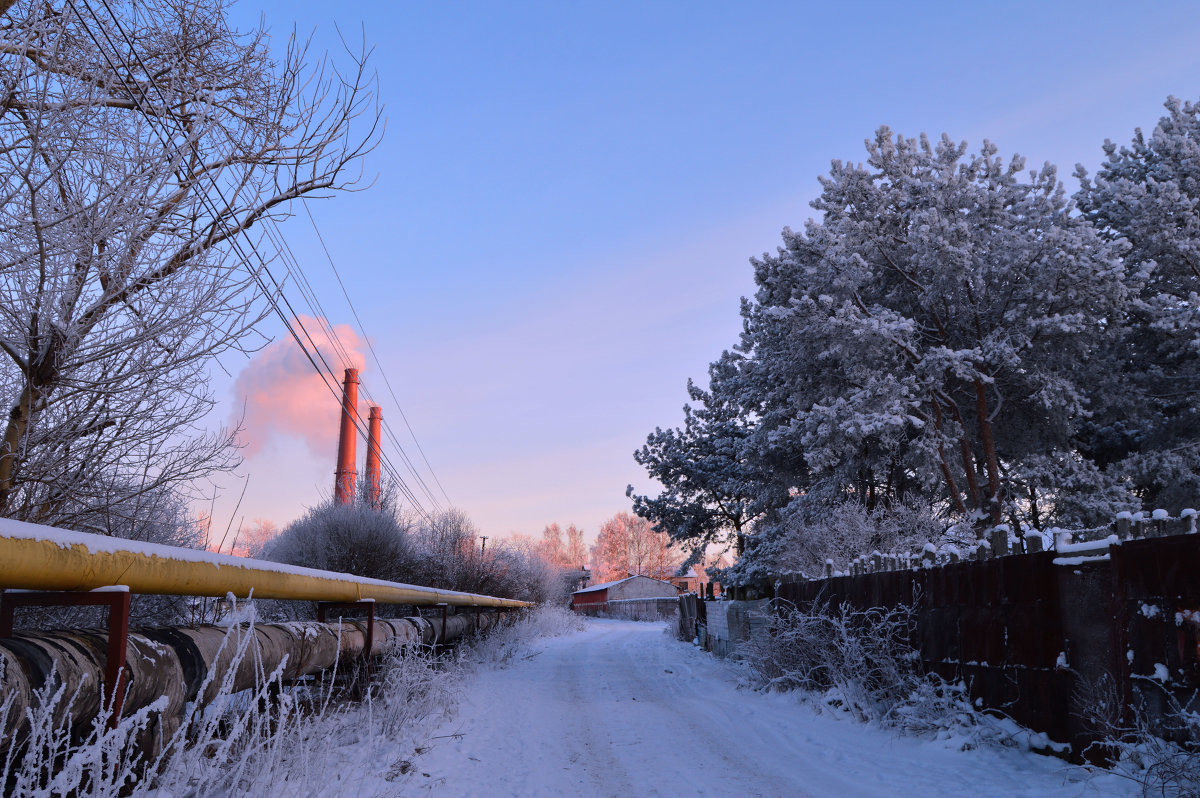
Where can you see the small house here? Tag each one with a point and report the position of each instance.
(596, 598)
(576, 579)
(697, 579)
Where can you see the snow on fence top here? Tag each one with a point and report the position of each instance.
(36, 557)
(1000, 540)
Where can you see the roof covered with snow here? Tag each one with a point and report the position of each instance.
(606, 585)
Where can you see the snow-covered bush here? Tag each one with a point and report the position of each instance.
(806, 534)
(499, 647)
(861, 662)
(450, 555)
(411, 688)
(441, 551)
(1161, 750)
(861, 658)
(351, 538)
(517, 570)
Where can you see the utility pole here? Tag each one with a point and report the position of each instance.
(483, 545)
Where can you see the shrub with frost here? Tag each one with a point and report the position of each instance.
(350, 538)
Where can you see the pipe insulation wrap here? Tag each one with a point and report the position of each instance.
(193, 664)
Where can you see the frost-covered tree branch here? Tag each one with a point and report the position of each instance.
(137, 157)
(952, 337)
(1147, 196)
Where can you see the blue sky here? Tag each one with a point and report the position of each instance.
(567, 195)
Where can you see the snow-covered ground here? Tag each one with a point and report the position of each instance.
(622, 709)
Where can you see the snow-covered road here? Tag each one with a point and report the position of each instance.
(621, 709)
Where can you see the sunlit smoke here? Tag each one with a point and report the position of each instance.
(284, 395)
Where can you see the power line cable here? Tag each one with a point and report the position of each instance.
(314, 304)
(371, 348)
(269, 295)
(234, 240)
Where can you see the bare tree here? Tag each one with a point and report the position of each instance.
(251, 540)
(550, 547)
(450, 554)
(136, 152)
(568, 553)
(630, 546)
(575, 550)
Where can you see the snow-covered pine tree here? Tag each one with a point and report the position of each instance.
(712, 488)
(1147, 428)
(929, 340)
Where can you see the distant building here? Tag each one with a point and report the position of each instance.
(696, 579)
(576, 579)
(691, 582)
(596, 598)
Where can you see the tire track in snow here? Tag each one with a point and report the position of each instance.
(577, 674)
(597, 713)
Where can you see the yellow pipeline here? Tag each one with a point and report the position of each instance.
(35, 557)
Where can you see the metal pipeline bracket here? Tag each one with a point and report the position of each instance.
(362, 604)
(116, 598)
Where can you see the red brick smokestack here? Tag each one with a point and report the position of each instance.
(373, 481)
(343, 481)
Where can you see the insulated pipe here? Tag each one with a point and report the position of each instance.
(373, 480)
(343, 478)
(182, 665)
(35, 557)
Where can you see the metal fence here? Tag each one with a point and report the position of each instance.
(1035, 636)
(637, 609)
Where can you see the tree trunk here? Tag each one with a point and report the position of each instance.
(951, 483)
(989, 451)
(11, 448)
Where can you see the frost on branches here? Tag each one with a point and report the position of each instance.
(951, 340)
(629, 546)
(1148, 424)
(712, 489)
(933, 328)
(134, 162)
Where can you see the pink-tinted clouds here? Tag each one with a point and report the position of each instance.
(284, 395)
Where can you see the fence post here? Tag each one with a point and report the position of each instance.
(1000, 541)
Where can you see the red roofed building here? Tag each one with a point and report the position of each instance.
(596, 598)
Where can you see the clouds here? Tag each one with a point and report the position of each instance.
(283, 394)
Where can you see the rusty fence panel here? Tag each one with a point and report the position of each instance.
(1033, 639)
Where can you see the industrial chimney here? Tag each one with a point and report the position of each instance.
(373, 480)
(343, 480)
